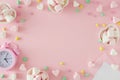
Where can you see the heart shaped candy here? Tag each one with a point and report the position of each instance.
(55, 72)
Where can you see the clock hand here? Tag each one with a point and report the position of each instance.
(6, 60)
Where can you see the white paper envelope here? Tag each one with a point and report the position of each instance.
(107, 73)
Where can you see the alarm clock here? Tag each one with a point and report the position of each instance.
(8, 56)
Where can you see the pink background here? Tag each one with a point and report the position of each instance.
(71, 37)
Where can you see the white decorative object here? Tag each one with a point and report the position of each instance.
(115, 19)
(40, 6)
(3, 34)
(76, 76)
(75, 4)
(113, 4)
(13, 76)
(56, 72)
(14, 28)
(114, 66)
(22, 67)
(99, 8)
(113, 52)
(28, 2)
(36, 74)
(7, 14)
(91, 64)
(110, 35)
(57, 6)
(106, 73)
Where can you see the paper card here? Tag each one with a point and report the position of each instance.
(107, 73)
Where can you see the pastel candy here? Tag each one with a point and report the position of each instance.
(99, 8)
(113, 52)
(55, 72)
(51, 2)
(113, 4)
(76, 76)
(13, 76)
(75, 4)
(3, 34)
(28, 2)
(58, 8)
(115, 19)
(114, 66)
(35, 74)
(14, 28)
(22, 67)
(40, 6)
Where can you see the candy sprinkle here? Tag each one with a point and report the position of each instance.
(77, 10)
(18, 2)
(17, 38)
(24, 59)
(2, 76)
(101, 48)
(61, 63)
(81, 6)
(82, 71)
(39, 1)
(97, 25)
(64, 78)
(46, 68)
(102, 14)
(87, 1)
(22, 20)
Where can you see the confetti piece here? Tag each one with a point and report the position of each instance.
(82, 71)
(40, 6)
(99, 8)
(113, 52)
(76, 76)
(61, 63)
(46, 68)
(22, 67)
(38, 1)
(115, 19)
(75, 4)
(104, 25)
(24, 59)
(102, 14)
(56, 72)
(101, 48)
(14, 28)
(64, 78)
(113, 4)
(22, 20)
(87, 75)
(87, 1)
(2, 76)
(118, 23)
(91, 64)
(77, 10)
(17, 38)
(97, 25)
(27, 2)
(81, 6)
(13, 76)
(18, 2)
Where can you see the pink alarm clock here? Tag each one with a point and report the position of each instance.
(8, 56)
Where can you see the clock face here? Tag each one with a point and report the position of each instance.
(6, 59)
